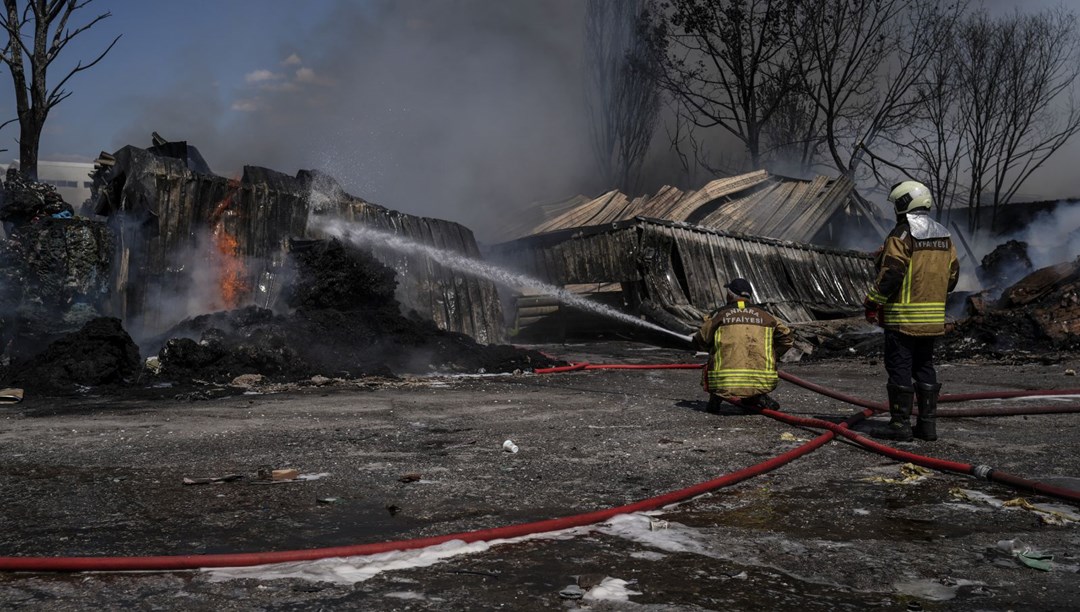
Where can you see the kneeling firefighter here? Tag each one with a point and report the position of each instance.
(744, 342)
(916, 269)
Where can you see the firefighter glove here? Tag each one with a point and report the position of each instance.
(872, 311)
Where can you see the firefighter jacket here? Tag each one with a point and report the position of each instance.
(916, 270)
(744, 343)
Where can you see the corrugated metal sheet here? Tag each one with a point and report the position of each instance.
(755, 203)
(676, 271)
(160, 205)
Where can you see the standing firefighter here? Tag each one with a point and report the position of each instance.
(744, 343)
(916, 269)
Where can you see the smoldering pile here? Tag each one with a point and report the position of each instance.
(1036, 318)
(344, 323)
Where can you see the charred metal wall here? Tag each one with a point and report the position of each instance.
(161, 208)
(678, 270)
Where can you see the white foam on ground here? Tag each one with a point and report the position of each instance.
(610, 589)
(675, 538)
(350, 570)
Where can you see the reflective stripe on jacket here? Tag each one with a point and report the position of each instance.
(914, 277)
(744, 342)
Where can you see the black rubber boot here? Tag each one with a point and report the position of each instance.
(901, 400)
(926, 423)
(715, 404)
(765, 401)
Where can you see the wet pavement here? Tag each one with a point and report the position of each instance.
(422, 457)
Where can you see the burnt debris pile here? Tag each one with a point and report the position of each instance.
(54, 268)
(1039, 315)
(345, 322)
(1002, 266)
(98, 354)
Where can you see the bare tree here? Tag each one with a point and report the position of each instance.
(29, 59)
(1039, 112)
(621, 93)
(866, 60)
(996, 104)
(936, 141)
(726, 65)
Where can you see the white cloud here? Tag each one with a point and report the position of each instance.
(259, 76)
(246, 105)
(308, 76)
(292, 60)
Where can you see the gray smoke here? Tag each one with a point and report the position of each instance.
(1052, 237)
(464, 110)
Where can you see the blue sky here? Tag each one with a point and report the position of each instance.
(459, 109)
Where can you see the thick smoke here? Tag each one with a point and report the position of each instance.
(465, 110)
(1052, 237)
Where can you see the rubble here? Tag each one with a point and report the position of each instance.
(1037, 316)
(346, 323)
(100, 353)
(54, 278)
(1002, 266)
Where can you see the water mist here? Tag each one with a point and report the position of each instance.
(362, 235)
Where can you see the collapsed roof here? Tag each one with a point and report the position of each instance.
(670, 254)
(161, 200)
(675, 272)
(756, 203)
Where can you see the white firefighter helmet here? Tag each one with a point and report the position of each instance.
(910, 195)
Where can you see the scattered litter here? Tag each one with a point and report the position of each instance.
(861, 512)
(909, 474)
(740, 576)
(285, 474)
(1070, 372)
(572, 591)
(11, 395)
(318, 476)
(1050, 514)
(510, 447)
(1030, 557)
(658, 524)
(787, 436)
(213, 479)
(328, 500)
(410, 477)
(247, 381)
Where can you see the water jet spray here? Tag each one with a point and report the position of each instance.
(361, 235)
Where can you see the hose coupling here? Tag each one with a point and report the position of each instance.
(983, 471)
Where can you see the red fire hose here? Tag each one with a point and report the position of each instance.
(185, 562)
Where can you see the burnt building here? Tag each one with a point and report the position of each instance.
(184, 233)
(668, 256)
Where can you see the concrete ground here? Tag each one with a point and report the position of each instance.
(105, 476)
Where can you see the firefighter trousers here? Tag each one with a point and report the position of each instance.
(909, 357)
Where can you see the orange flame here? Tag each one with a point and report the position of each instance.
(231, 271)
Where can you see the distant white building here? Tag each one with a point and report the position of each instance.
(71, 179)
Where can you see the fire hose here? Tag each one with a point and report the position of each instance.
(189, 562)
